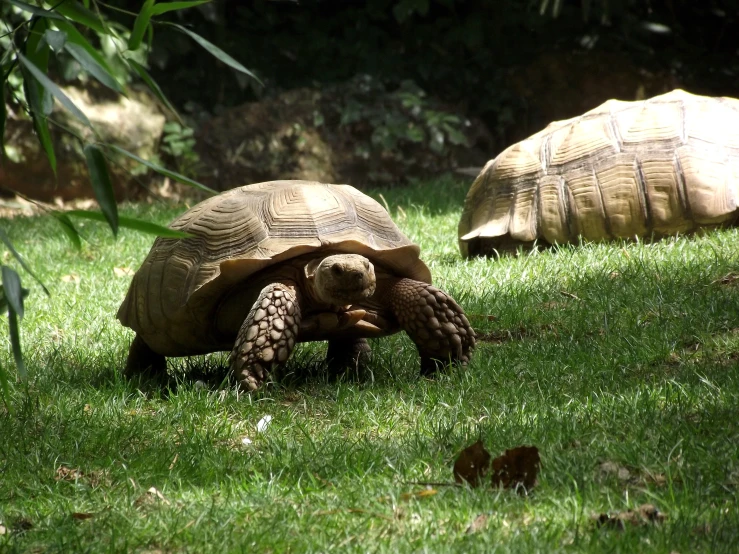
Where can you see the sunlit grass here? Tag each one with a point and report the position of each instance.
(623, 353)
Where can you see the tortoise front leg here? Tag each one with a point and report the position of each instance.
(267, 336)
(142, 360)
(434, 321)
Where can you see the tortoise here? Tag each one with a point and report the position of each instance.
(273, 264)
(653, 168)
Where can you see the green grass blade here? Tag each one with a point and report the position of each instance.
(12, 289)
(5, 388)
(101, 185)
(4, 237)
(140, 25)
(15, 342)
(69, 229)
(153, 86)
(90, 65)
(132, 223)
(51, 87)
(161, 170)
(77, 12)
(159, 9)
(215, 51)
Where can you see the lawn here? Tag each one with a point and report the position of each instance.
(619, 362)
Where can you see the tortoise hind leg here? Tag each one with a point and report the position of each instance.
(434, 321)
(143, 361)
(347, 355)
(267, 336)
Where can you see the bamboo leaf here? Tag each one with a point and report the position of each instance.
(77, 12)
(69, 229)
(215, 51)
(140, 25)
(162, 171)
(34, 10)
(91, 65)
(4, 237)
(12, 289)
(132, 223)
(3, 119)
(74, 36)
(159, 9)
(153, 86)
(15, 342)
(101, 185)
(40, 124)
(50, 86)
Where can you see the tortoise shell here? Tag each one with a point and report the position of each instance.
(252, 229)
(658, 167)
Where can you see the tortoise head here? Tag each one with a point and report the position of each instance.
(341, 279)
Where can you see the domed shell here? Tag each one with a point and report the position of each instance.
(241, 232)
(661, 166)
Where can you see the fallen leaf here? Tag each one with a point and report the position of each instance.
(263, 423)
(479, 523)
(246, 441)
(472, 464)
(152, 496)
(643, 515)
(569, 295)
(518, 466)
(123, 271)
(71, 278)
(727, 279)
(82, 516)
(64, 473)
(174, 461)
(418, 494)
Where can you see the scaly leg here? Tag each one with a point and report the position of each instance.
(347, 355)
(267, 337)
(434, 321)
(143, 361)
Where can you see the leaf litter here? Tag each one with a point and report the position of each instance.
(645, 514)
(517, 468)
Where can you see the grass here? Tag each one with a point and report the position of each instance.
(618, 361)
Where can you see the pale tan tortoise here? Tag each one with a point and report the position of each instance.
(273, 264)
(652, 168)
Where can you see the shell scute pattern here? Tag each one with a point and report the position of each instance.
(661, 166)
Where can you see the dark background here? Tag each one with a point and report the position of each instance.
(516, 64)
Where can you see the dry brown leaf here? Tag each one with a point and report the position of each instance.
(152, 496)
(727, 279)
(478, 524)
(64, 473)
(82, 516)
(472, 464)
(518, 466)
(71, 278)
(418, 494)
(123, 271)
(643, 515)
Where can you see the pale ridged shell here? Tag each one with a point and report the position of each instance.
(661, 166)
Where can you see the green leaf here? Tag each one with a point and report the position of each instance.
(153, 86)
(162, 171)
(215, 51)
(50, 86)
(75, 37)
(4, 237)
(3, 119)
(159, 9)
(140, 25)
(68, 228)
(34, 10)
(132, 223)
(4, 300)
(101, 184)
(40, 124)
(77, 12)
(55, 39)
(15, 342)
(91, 65)
(12, 289)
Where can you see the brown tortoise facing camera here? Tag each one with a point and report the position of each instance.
(273, 264)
